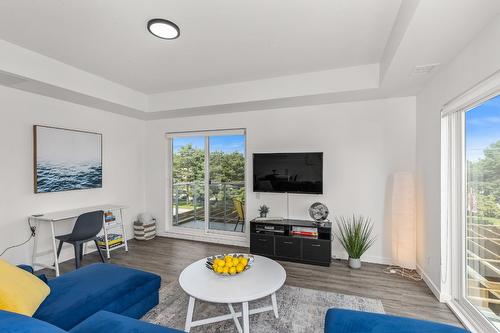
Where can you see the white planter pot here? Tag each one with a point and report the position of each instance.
(355, 263)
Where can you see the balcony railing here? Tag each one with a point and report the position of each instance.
(483, 267)
(188, 203)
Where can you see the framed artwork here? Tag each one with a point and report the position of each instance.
(66, 160)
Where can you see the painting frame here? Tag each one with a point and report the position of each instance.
(36, 150)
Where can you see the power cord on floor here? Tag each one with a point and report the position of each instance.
(404, 272)
(32, 234)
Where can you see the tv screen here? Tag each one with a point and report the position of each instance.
(288, 172)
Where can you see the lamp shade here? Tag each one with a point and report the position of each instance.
(403, 220)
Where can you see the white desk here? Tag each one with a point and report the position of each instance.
(66, 215)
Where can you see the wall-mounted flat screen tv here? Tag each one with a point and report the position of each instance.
(288, 172)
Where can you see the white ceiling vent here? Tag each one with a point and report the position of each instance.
(424, 69)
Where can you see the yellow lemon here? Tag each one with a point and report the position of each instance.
(229, 264)
(235, 261)
(240, 268)
(222, 263)
(220, 269)
(217, 261)
(244, 261)
(225, 269)
(232, 270)
(228, 258)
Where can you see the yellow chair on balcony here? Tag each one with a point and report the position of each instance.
(240, 209)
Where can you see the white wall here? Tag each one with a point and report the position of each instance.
(363, 144)
(476, 62)
(123, 172)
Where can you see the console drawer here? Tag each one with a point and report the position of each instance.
(262, 244)
(288, 247)
(316, 250)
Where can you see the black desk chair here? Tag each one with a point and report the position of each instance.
(86, 228)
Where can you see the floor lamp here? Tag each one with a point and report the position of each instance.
(403, 225)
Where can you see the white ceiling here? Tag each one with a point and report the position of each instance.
(222, 41)
(232, 56)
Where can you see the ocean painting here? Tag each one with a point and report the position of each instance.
(66, 159)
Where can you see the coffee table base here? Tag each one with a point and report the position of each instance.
(245, 313)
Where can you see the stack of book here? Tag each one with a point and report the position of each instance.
(305, 232)
(114, 240)
(109, 217)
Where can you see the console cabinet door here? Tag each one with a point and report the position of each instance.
(288, 247)
(262, 244)
(316, 250)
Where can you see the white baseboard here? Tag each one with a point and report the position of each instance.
(435, 290)
(370, 259)
(46, 257)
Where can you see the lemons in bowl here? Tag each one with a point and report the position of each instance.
(229, 264)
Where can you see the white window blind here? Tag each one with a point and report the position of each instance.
(481, 92)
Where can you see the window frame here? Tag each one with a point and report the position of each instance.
(205, 234)
(453, 210)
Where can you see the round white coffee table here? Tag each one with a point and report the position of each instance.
(263, 279)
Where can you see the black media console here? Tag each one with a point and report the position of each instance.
(283, 240)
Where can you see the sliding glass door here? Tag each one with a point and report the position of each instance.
(471, 211)
(227, 182)
(188, 181)
(482, 197)
(208, 181)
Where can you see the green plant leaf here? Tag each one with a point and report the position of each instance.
(355, 234)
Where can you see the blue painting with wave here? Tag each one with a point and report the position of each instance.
(67, 159)
(67, 177)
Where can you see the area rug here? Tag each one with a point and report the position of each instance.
(300, 310)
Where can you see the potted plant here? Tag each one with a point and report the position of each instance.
(355, 236)
(263, 210)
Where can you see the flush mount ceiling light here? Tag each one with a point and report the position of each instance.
(163, 29)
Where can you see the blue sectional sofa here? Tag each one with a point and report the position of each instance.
(96, 298)
(100, 322)
(106, 298)
(349, 321)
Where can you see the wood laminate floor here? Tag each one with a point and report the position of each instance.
(168, 257)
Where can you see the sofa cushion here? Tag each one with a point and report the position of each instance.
(20, 291)
(348, 321)
(79, 294)
(106, 322)
(15, 323)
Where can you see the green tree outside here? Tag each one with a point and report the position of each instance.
(225, 168)
(484, 182)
